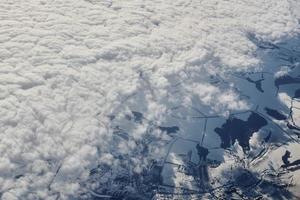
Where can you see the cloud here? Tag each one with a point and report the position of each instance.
(66, 66)
(218, 100)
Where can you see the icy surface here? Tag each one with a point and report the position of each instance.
(122, 99)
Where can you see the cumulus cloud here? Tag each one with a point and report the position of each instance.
(284, 70)
(67, 67)
(218, 100)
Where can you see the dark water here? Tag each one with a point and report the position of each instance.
(295, 129)
(169, 130)
(202, 152)
(285, 158)
(275, 114)
(284, 80)
(286, 163)
(292, 127)
(137, 116)
(237, 129)
(297, 94)
(258, 84)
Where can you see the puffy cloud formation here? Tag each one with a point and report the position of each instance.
(67, 67)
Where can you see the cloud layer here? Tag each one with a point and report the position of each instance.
(68, 67)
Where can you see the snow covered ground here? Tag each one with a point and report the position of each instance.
(93, 92)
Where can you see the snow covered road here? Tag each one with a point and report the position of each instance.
(68, 67)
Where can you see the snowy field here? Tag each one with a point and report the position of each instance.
(149, 99)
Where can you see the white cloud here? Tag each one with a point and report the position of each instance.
(66, 65)
(219, 100)
(284, 70)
